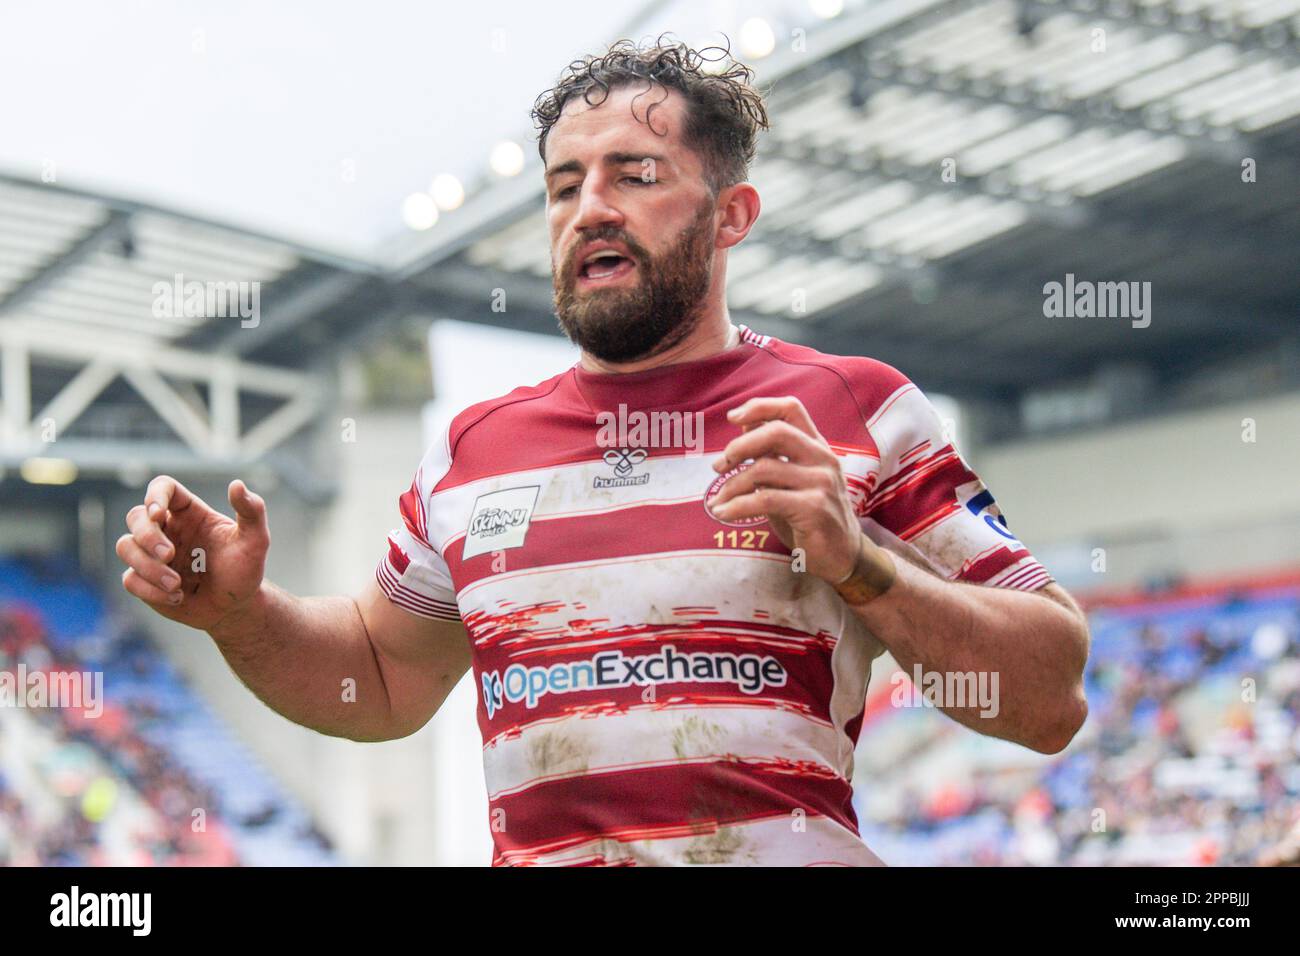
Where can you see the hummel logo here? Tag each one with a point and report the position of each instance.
(623, 461)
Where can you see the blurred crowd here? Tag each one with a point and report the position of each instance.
(1188, 757)
(86, 790)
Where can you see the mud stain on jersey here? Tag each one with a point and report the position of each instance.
(696, 737)
(723, 847)
(554, 753)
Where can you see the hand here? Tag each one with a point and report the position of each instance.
(164, 570)
(794, 481)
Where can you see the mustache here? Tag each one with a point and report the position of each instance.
(568, 266)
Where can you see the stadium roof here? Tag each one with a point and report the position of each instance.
(932, 164)
(114, 367)
(1103, 140)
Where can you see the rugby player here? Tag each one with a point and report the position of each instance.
(670, 567)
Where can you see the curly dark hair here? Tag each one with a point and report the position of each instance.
(725, 111)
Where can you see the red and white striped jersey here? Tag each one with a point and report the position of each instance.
(656, 686)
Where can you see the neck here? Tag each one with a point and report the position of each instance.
(712, 335)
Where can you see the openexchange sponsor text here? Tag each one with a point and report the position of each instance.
(750, 672)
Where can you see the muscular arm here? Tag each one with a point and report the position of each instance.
(1034, 643)
(298, 655)
(361, 668)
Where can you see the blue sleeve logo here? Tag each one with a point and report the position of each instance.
(993, 519)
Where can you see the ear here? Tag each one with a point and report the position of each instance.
(739, 205)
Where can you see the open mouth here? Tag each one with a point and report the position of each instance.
(604, 266)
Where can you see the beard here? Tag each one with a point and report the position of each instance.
(627, 324)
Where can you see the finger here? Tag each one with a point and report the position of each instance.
(789, 409)
(250, 509)
(165, 494)
(147, 534)
(145, 565)
(149, 593)
(779, 503)
(767, 473)
(773, 438)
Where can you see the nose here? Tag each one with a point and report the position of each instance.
(594, 208)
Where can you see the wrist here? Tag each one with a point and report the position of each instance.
(872, 574)
(238, 620)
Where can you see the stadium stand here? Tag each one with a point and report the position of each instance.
(120, 780)
(1187, 757)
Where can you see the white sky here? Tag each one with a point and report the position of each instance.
(246, 112)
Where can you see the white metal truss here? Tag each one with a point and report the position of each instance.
(79, 277)
(213, 435)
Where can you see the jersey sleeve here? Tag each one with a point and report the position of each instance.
(928, 499)
(412, 572)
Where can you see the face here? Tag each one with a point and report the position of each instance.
(632, 225)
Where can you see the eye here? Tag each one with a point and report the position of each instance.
(565, 192)
(638, 180)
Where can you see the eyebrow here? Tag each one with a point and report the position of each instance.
(609, 159)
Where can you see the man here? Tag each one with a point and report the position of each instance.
(671, 649)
